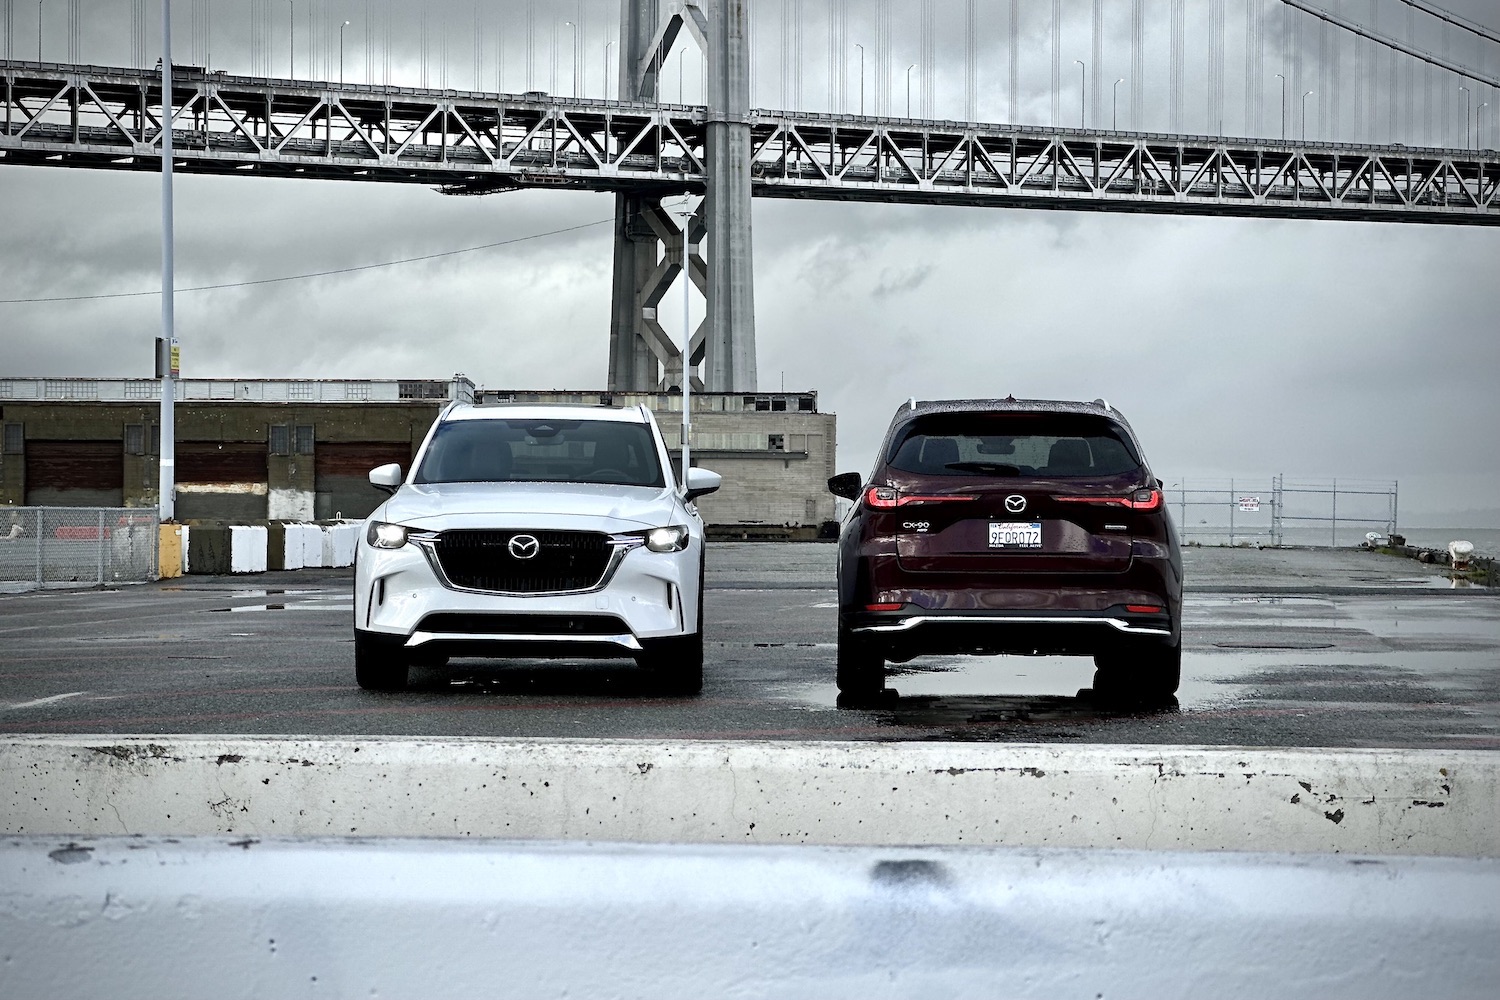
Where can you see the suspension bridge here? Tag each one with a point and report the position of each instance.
(1362, 160)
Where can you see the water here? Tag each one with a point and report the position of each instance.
(1486, 540)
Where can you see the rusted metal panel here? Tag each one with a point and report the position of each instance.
(355, 459)
(75, 465)
(221, 462)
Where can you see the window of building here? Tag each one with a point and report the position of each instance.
(776, 442)
(779, 404)
(301, 390)
(155, 446)
(304, 439)
(141, 389)
(15, 439)
(762, 402)
(135, 439)
(807, 404)
(357, 390)
(281, 439)
(423, 390)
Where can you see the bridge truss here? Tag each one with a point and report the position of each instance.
(475, 143)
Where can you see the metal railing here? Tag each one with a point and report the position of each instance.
(1281, 512)
(43, 547)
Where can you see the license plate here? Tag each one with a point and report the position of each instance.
(1015, 534)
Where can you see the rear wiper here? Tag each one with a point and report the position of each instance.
(994, 468)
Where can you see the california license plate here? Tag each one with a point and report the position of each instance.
(1015, 534)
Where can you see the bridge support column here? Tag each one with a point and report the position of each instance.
(650, 248)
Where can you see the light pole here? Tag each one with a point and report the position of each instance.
(1114, 111)
(1283, 104)
(341, 52)
(1083, 94)
(1466, 116)
(607, 46)
(908, 88)
(166, 360)
(1304, 113)
(861, 74)
(39, 30)
(574, 50)
(291, 59)
(681, 55)
(1479, 133)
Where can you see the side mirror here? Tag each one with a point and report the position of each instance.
(701, 482)
(386, 478)
(846, 485)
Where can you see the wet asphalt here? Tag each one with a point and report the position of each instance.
(1282, 648)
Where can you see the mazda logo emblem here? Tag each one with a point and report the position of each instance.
(524, 546)
(1015, 503)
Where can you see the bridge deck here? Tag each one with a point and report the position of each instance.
(474, 143)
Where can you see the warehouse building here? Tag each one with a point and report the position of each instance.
(301, 449)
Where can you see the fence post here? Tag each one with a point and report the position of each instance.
(1184, 510)
(39, 548)
(99, 548)
(1231, 512)
(1276, 502)
(1335, 517)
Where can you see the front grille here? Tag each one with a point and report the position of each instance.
(482, 624)
(481, 560)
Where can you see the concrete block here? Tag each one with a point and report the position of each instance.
(312, 545)
(338, 544)
(170, 552)
(209, 550)
(1045, 795)
(247, 549)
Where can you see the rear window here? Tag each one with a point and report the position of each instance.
(1013, 444)
(560, 451)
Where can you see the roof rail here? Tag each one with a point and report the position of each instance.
(911, 402)
(1104, 403)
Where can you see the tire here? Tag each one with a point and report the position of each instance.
(379, 666)
(1148, 673)
(675, 665)
(861, 668)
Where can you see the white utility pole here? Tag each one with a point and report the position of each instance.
(167, 354)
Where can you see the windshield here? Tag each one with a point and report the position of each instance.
(558, 451)
(1013, 444)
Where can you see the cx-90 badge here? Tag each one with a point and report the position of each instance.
(524, 546)
(1015, 503)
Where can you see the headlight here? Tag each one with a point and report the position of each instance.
(386, 536)
(671, 539)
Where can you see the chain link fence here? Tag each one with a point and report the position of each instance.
(76, 546)
(1278, 511)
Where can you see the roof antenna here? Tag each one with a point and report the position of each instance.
(911, 402)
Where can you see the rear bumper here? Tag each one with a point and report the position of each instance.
(913, 632)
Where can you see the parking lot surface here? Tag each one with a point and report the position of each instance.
(1282, 648)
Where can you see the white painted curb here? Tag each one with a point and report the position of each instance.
(1147, 797)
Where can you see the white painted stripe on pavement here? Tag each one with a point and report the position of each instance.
(44, 701)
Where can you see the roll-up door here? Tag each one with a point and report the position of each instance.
(342, 475)
(221, 481)
(75, 473)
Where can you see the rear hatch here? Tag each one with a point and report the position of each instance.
(999, 493)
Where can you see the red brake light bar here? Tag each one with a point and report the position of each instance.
(1139, 500)
(885, 498)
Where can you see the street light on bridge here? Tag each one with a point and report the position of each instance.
(908, 88)
(1083, 94)
(1114, 113)
(39, 29)
(291, 59)
(1478, 133)
(607, 46)
(1304, 113)
(1283, 104)
(1466, 116)
(861, 75)
(574, 50)
(341, 52)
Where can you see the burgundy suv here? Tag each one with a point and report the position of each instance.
(1010, 526)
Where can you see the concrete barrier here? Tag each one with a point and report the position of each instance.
(312, 545)
(1142, 797)
(339, 541)
(247, 549)
(138, 917)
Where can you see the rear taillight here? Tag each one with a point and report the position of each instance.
(885, 498)
(884, 607)
(1139, 500)
(1144, 609)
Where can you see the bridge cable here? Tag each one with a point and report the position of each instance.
(1411, 50)
(318, 274)
(1453, 19)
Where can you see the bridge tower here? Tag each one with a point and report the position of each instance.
(652, 246)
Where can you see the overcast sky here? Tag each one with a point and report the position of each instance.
(1235, 347)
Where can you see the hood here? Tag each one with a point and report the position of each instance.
(646, 506)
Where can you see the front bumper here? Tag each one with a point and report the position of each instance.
(399, 595)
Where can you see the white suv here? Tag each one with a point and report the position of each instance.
(529, 530)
